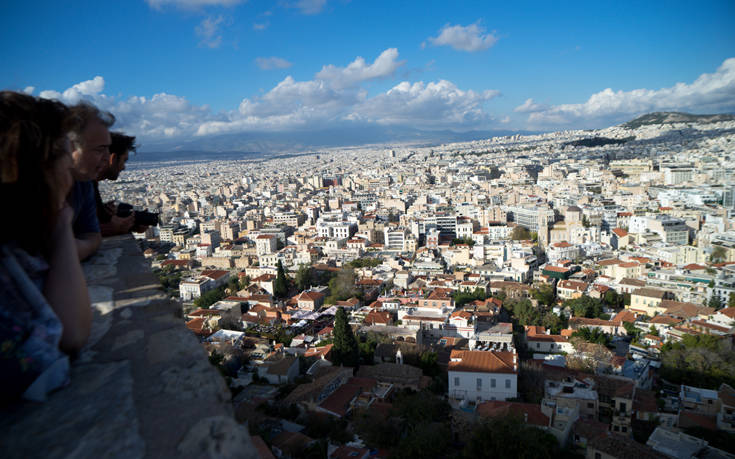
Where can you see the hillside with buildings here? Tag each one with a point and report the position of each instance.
(586, 288)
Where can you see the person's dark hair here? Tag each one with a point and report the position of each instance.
(85, 113)
(31, 130)
(122, 143)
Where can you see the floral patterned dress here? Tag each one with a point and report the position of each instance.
(31, 363)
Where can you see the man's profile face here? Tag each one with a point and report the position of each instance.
(116, 165)
(91, 157)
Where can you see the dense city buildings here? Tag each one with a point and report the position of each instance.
(562, 276)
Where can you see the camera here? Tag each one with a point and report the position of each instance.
(142, 217)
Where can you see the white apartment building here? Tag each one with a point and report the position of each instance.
(483, 375)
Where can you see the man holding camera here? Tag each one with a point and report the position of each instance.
(119, 219)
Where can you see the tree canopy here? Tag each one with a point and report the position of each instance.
(280, 286)
(520, 233)
(585, 306)
(510, 437)
(345, 350)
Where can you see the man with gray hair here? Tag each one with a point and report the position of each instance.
(90, 154)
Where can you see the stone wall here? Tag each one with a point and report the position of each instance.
(142, 387)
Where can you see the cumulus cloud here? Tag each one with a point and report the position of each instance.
(161, 116)
(710, 92)
(331, 98)
(469, 38)
(270, 63)
(72, 95)
(529, 106)
(433, 104)
(310, 6)
(29, 89)
(208, 31)
(191, 4)
(358, 71)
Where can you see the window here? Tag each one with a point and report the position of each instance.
(456, 381)
(623, 408)
(538, 345)
(507, 383)
(598, 456)
(590, 405)
(479, 383)
(492, 382)
(624, 429)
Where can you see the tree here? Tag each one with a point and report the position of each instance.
(585, 306)
(544, 294)
(280, 286)
(303, 277)
(731, 300)
(631, 329)
(342, 286)
(520, 233)
(345, 350)
(592, 335)
(715, 301)
(510, 437)
(718, 255)
(612, 299)
(209, 298)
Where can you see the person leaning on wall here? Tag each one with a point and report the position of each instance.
(90, 140)
(45, 312)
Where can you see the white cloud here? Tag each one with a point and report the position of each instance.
(529, 106)
(208, 31)
(270, 63)
(333, 97)
(29, 89)
(191, 4)
(358, 71)
(163, 115)
(310, 6)
(469, 38)
(710, 92)
(72, 95)
(433, 104)
(260, 26)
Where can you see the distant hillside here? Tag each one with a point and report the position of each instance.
(674, 117)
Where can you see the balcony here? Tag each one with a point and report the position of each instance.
(142, 387)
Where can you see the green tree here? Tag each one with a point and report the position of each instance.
(463, 240)
(718, 255)
(544, 294)
(714, 301)
(592, 335)
(520, 233)
(553, 322)
(303, 277)
(612, 299)
(631, 330)
(510, 437)
(345, 350)
(585, 306)
(731, 300)
(462, 298)
(209, 298)
(280, 286)
(342, 286)
(524, 312)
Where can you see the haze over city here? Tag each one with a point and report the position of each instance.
(236, 75)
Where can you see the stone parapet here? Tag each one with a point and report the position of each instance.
(142, 387)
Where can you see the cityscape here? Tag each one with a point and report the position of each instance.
(347, 229)
(572, 279)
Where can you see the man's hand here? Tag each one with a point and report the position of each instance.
(117, 225)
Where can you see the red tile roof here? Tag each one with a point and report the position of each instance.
(483, 361)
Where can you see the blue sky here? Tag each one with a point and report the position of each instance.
(181, 69)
